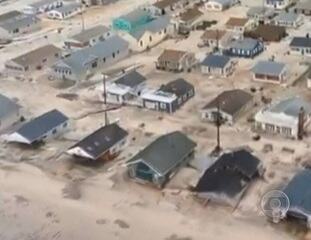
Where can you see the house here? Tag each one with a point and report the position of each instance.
(270, 72)
(132, 20)
(287, 118)
(9, 113)
(188, 20)
(229, 177)
(288, 19)
(246, 47)
(149, 34)
(88, 37)
(303, 7)
(34, 60)
(168, 98)
(162, 159)
(239, 24)
(162, 7)
(278, 4)
(14, 24)
(65, 11)
(261, 15)
(82, 64)
(217, 65)
(126, 87)
(42, 6)
(229, 105)
(175, 60)
(97, 2)
(267, 33)
(49, 125)
(218, 5)
(104, 144)
(301, 46)
(215, 38)
(299, 195)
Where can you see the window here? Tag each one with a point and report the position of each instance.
(150, 38)
(163, 105)
(113, 55)
(141, 43)
(54, 131)
(94, 64)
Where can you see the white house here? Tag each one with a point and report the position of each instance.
(66, 11)
(288, 19)
(218, 5)
(42, 6)
(278, 4)
(287, 118)
(9, 112)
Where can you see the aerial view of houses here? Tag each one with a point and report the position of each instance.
(119, 117)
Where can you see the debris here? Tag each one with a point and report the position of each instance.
(72, 191)
(168, 206)
(121, 224)
(267, 148)
(288, 150)
(101, 221)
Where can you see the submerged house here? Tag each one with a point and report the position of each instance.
(301, 46)
(125, 88)
(40, 129)
(175, 60)
(270, 72)
(288, 118)
(228, 178)
(246, 48)
(168, 98)
(162, 159)
(217, 65)
(88, 37)
(82, 64)
(229, 104)
(34, 60)
(9, 112)
(104, 144)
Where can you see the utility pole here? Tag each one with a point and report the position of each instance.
(105, 100)
(82, 18)
(218, 124)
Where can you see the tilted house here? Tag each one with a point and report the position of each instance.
(175, 60)
(217, 65)
(126, 88)
(287, 118)
(228, 178)
(104, 144)
(303, 7)
(301, 46)
(14, 24)
(168, 98)
(66, 11)
(82, 64)
(270, 72)
(288, 19)
(9, 113)
(267, 33)
(34, 60)
(88, 37)
(278, 4)
(229, 104)
(246, 48)
(40, 129)
(162, 159)
(42, 6)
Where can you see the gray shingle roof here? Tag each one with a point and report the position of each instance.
(268, 68)
(179, 87)
(166, 152)
(9, 15)
(35, 129)
(301, 42)
(7, 107)
(287, 17)
(245, 44)
(87, 34)
(68, 7)
(131, 79)
(292, 106)
(19, 21)
(216, 61)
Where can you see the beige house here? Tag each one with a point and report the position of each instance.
(240, 24)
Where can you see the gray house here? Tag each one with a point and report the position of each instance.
(301, 46)
(168, 98)
(49, 125)
(42, 6)
(88, 37)
(9, 112)
(230, 105)
(217, 65)
(161, 160)
(104, 144)
(14, 23)
(270, 72)
(82, 64)
(303, 7)
(288, 19)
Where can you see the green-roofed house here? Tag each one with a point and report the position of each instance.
(132, 20)
(161, 160)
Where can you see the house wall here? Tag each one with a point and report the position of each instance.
(277, 129)
(306, 12)
(214, 6)
(184, 64)
(44, 8)
(277, 4)
(209, 115)
(55, 14)
(280, 79)
(72, 44)
(56, 132)
(8, 120)
(157, 106)
(222, 72)
(289, 24)
(246, 53)
(300, 51)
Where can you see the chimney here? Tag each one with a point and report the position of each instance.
(301, 121)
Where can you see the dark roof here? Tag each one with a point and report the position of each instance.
(191, 14)
(179, 87)
(9, 15)
(166, 152)
(35, 129)
(101, 140)
(299, 193)
(268, 32)
(216, 61)
(89, 33)
(131, 79)
(231, 101)
(162, 4)
(301, 42)
(230, 174)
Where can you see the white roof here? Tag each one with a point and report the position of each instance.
(158, 96)
(118, 89)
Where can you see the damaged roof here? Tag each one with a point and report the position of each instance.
(131, 79)
(179, 87)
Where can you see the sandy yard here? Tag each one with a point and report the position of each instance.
(45, 195)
